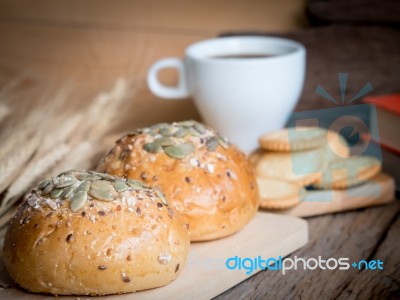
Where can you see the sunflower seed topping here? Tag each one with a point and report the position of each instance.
(200, 128)
(84, 186)
(135, 184)
(101, 194)
(181, 133)
(120, 186)
(158, 126)
(179, 151)
(67, 192)
(223, 142)
(66, 183)
(152, 147)
(167, 131)
(161, 196)
(212, 143)
(164, 141)
(87, 177)
(166, 138)
(91, 186)
(78, 201)
(66, 173)
(43, 184)
(186, 123)
(174, 152)
(102, 185)
(103, 176)
(194, 132)
(47, 189)
(54, 194)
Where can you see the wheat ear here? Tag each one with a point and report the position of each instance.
(31, 173)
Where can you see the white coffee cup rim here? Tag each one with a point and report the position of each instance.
(205, 50)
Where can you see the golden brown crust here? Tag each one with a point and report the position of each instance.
(108, 247)
(293, 139)
(349, 172)
(301, 167)
(214, 190)
(279, 194)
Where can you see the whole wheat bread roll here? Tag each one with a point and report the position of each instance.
(205, 178)
(85, 233)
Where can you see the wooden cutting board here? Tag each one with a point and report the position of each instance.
(379, 190)
(205, 275)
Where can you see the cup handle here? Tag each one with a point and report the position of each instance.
(160, 90)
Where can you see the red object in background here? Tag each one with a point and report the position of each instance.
(388, 111)
(386, 102)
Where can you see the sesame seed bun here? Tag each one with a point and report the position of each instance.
(204, 177)
(121, 237)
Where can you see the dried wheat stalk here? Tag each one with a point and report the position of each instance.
(107, 106)
(11, 164)
(17, 131)
(64, 139)
(4, 111)
(78, 158)
(23, 139)
(31, 173)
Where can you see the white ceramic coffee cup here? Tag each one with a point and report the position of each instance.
(242, 98)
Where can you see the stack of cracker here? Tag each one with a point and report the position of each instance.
(291, 159)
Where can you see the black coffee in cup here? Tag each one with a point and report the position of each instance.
(242, 55)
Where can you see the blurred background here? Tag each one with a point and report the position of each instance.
(90, 43)
(93, 42)
(57, 58)
(73, 74)
(73, 80)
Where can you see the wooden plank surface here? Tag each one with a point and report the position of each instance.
(38, 39)
(385, 285)
(379, 190)
(91, 60)
(83, 52)
(91, 43)
(178, 16)
(363, 234)
(267, 235)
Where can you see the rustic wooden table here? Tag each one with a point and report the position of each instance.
(371, 233)
(94, 48)
(367, 54)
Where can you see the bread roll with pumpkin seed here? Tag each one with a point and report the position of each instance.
(86, 233)
(205, 178)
